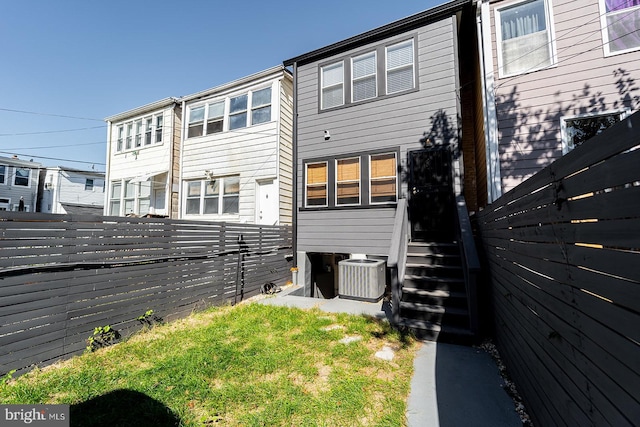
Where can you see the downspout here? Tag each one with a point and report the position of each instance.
(294, 216)
(280, 93)
(184, 109)
(107, 182)
(169, 185)
(483, 22)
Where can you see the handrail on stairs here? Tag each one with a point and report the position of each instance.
(397, 259)
(470, 261)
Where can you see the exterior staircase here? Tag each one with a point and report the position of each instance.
(433, 303)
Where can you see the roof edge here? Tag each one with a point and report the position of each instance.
(143, 109)
(388, 30)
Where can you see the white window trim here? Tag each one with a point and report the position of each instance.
(306, 185)
(322, 87)
(132, 138)
(136, 196)
(375, 75)
(359, 181)
(370, 178)
(6, 174)
(548, 8)
(624, 113)
(15, 175)
(221, 196)
(386, 66)
(605, 33)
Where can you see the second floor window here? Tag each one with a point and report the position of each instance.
(138, 133)
(524, 37)
(3, 174)
(215, 117)
(196, 122)
(400, 74)
(88, 184)
(120, 138)
(332, 82)
(129, 136)
(620, 25)
(364, 82)
(148, 129)
(22, 177)
(238, 112)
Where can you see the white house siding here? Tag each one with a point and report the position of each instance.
(529, 106)
(286, 151)
(68, 187)
(153, 158)
(9, 193)
(395, 122)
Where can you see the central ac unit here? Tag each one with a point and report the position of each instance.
(361, 279)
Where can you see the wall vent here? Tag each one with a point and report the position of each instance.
(361, 279)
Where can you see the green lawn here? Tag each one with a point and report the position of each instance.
(248, 365)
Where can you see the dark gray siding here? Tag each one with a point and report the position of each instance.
(396, 122)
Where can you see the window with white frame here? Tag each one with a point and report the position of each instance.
(5, 204)
(115, 202)
(138, 142)
(22, 177)
(524, 34)
(332, 83)
(120, 138)
(158, 129)
(238, 112)
(88, 184)
(129, 136)
(3, 174)
(316, 184)
(148, 129)
(620, 25)
(261, 106)
(578, 129)
(383, 178)
(364, 83)
(348, 181)
(196, 122)
(212, 196)
(215, 117)
(400, 69)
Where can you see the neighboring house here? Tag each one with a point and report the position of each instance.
(142, 160)
(555, 73)
(366, 108)
(18, 179)
(236, 153)
(64, 190)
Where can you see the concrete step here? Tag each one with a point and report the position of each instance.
(432, 248)
(435, 297)
(434, 259)
(430, 283)
(428, 331)
(454, 271)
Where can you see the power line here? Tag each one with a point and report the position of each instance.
(51, 131)
(56, 146)
(54, 158)
(50, 115)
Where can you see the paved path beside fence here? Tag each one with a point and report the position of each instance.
(451, 386)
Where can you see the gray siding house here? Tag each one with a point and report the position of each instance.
(362, 107)
(18, 179)
(553, 74)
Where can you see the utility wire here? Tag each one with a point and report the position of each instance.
(50, 115)
(51, 131)
(55, 146)
(53, 158)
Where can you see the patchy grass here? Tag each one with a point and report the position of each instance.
(249, 365)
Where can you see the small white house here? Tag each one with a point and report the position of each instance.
(71, 191)
(236, 153)
(18, 181)
(142, 160)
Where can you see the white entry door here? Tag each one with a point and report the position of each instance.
(267, 203)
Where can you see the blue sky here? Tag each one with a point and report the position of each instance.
(87, 60)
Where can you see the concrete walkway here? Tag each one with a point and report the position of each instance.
(452, 385)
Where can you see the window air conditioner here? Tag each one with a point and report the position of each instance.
(47, 186)
(361, 279)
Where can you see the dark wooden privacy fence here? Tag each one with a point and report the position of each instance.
(563, 250)
(61, 276)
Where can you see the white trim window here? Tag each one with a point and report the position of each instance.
(316, 184)
(578, 129)
(383, 178)
(135, 199)
(3, 174)
(215, 117)
(88, 184)
(364, 82)
(219, 196)
(120, 138)
(22, 177)
(129, 136)
(138, 142)
(620, 20)
(525, 41)
(5, 204)
(348, 181)
(238, 112)
(261, 106)
(196, 122)
(400, 67)
(159, 128)
(115, 202)
(148, 130)
(332, 84)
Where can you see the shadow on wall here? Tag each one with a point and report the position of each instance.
(529, 136)
(121, 408)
